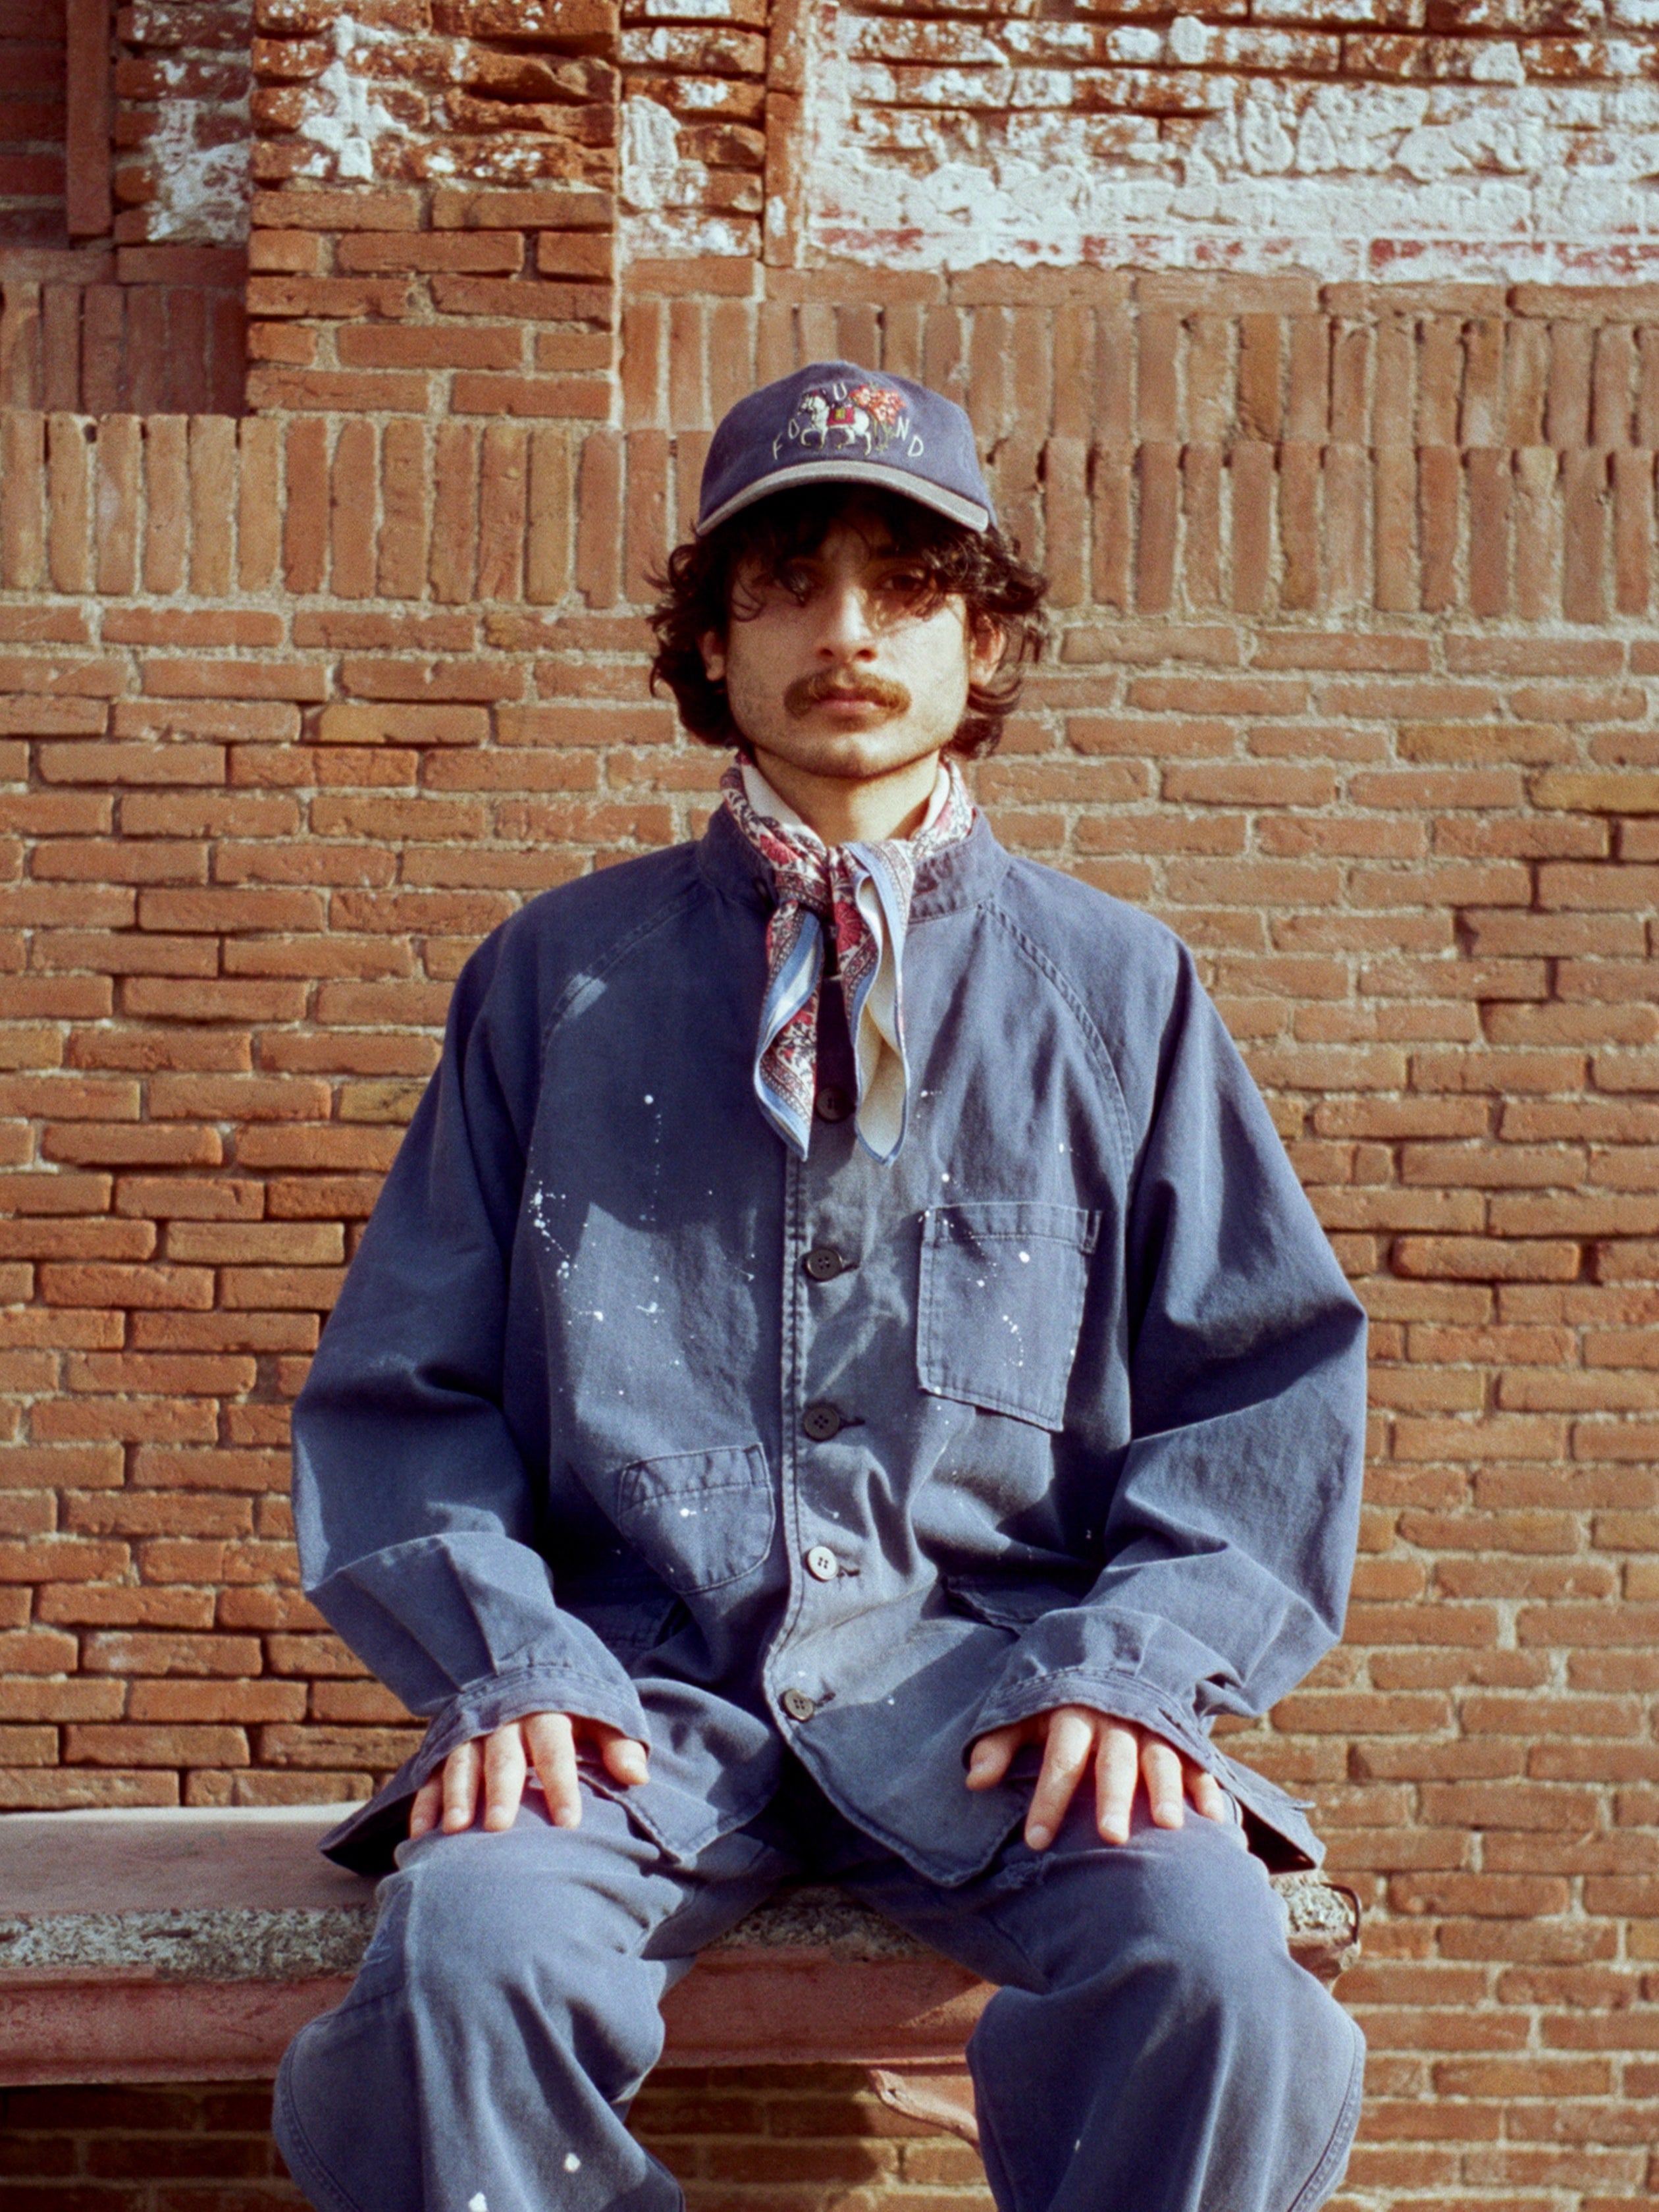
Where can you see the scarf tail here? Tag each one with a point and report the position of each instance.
(786, 1051)
(814, 884)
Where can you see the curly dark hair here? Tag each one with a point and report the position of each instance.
(713, 581)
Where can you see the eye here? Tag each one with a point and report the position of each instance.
(908, 587)
(795, 579)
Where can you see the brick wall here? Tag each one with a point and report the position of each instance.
(1355, 582)
(754, 2139)
(1354, 686)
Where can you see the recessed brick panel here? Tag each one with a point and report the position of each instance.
(32, 123)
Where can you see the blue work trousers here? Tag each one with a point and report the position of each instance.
(1153, 2046)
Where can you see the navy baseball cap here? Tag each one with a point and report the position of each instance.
(833, 422)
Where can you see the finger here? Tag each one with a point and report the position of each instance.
(1160, 1769)
(992, 1756)
(505, 1769)
(553, 1747)
(460, 1788)
(428, 1806)
(1208, 1797)
(1066, 1749)
(1117, 1768)
(624, 1756)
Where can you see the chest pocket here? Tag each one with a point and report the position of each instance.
(700, 1519)
(1002, 1302)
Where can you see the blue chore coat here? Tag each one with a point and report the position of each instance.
(626, 1412)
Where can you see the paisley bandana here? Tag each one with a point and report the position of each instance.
(863, 893)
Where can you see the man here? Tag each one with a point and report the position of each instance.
(841, 1378)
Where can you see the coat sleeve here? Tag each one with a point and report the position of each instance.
(1230, 1531)
(416, 1510)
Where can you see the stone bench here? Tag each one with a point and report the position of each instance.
(191, 1945)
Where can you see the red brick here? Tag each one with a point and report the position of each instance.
(487, 253)
(339, 391)
(130, 1745)
(468, 208)
(218, 1243)
(63, 1098)
(233, 721)
(570, 398)
(426, 346)
(229, 908)
(142, 764)
(49, 1239)
(335, 1747)
(234, 679)
(282, 1289)
(344, 299)
(135, 1145)
(117, 1651)
(224, 1331)
(164, 998)
(312, 207)
(90, 1285)
(60, 1559)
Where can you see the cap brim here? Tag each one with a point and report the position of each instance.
(967, 512)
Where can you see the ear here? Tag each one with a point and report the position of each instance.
(987, 643)
(712, 646)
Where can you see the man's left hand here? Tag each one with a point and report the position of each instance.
(1125, 1757)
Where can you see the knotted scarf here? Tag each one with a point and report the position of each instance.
(863, 893)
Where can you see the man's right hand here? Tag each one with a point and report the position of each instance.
(546, 1741)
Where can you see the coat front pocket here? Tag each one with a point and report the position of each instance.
(700, 1519)
(630, 1610)
(1002, 1302)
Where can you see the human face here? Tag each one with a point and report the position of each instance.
(846, 680)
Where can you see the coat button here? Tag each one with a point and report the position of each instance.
(823, 1421)
(797, 1704)
(824, 1263)
(822, 1564)
(832, 1103)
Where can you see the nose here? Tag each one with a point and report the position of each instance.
(845, 631)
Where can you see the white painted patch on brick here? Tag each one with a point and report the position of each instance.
(663, 212)
(651, 156)
(349, 118)
(683, 234)
(1189, 40)
(203, 193)
(918, 163)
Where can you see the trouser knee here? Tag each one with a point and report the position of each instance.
(473, 1936)
(1161, 1985)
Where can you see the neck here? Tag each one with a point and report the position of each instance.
(844, 810)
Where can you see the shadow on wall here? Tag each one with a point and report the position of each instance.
(173, 345)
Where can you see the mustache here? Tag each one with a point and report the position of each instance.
(805, 693)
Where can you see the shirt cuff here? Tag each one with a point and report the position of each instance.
(1123, 1697)
(365, 1840)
